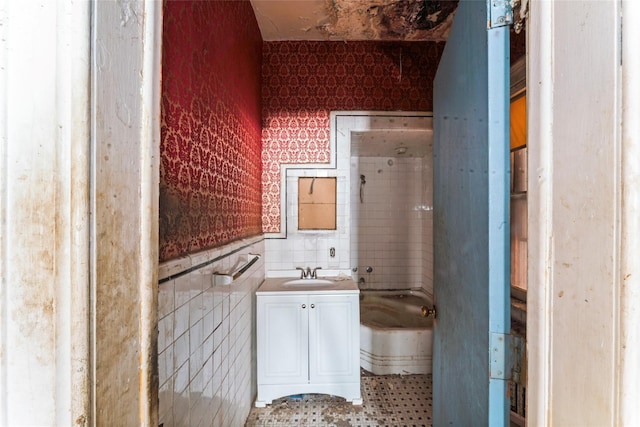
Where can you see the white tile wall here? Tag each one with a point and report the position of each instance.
(206, 351)
(427, 222)
(311, 248)
(394, 234)
(392, 227)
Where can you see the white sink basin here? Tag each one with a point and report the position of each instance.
(310, 283)
(296, 286)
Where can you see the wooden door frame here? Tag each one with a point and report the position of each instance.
(601, 387)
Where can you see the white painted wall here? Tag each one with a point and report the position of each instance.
(583, 148)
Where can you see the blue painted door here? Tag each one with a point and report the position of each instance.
(471, 222)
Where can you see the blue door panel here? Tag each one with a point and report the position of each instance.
(471, 223)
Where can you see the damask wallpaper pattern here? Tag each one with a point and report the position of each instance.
(210, 173)
(302, 82)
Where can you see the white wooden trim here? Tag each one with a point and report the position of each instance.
(44, 219)
(126, 61)
(582, 202)
(629, 358)
(539, 137)
(151, 91)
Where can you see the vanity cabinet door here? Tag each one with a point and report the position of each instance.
(334, 339)
(282, 339)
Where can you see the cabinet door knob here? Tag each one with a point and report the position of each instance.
(304, 305)
(313, 306)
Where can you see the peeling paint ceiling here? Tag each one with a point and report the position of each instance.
(347, 20)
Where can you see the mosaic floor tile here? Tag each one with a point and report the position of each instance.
(388, 400)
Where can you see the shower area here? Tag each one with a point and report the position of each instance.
(391, 206)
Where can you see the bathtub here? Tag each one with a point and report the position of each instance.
(394, 337)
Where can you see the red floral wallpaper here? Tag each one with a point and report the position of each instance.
(210, 173)
(302, 82)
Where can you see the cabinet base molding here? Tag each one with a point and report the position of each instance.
(268, 392)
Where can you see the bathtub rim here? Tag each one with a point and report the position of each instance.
(420, 292)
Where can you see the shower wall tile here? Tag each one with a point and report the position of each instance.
(389, 226)
(206, 357)
(427, 217)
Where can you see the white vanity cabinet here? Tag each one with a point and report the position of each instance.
(308, 342)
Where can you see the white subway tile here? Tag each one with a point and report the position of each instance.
(181, 378)
(196, 309)
(165, 367)
(165, 332)
(202, 322)
(181, 320)
(166, 296)
(182, 290)
(181, 351)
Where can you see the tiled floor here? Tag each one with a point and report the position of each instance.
(389, 400)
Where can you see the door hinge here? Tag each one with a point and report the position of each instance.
(428, 312)
(506, 357)
(500, 13)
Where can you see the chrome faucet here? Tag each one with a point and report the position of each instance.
(304, 274)
(308, 273)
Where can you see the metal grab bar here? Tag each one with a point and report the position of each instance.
(246, 266)
(227, 279)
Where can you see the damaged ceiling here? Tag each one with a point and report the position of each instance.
(347, 20)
